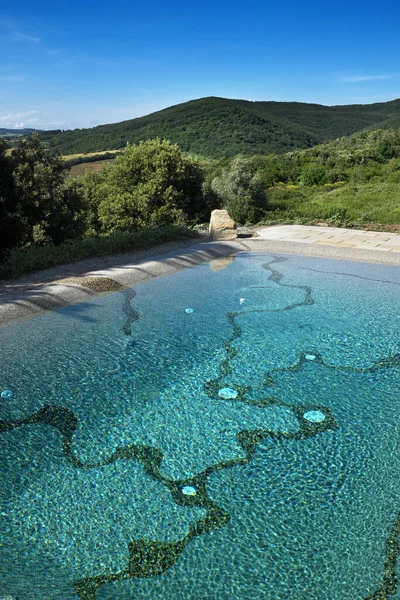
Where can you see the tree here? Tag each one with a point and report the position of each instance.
(70, 216)
(9, 223)
(36, 205)
(38, 178)
(241, 191)
(149, 185)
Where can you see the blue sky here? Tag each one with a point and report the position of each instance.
(80, 64)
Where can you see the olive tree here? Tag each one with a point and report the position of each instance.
(241, 191)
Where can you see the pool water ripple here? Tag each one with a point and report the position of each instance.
(282, 502)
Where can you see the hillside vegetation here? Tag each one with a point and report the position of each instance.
(347, 182)
(218, 127)
(146, 196)
(153, 187)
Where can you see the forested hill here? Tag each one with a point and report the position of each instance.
(217, 127)
(6, 132)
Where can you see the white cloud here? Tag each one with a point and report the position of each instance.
(358, 78)
(19, 120)
(22, 124)
(22, 37)
(30, 118)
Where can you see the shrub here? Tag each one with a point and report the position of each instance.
(241, 191)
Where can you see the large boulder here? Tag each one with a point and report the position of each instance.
(222, 227)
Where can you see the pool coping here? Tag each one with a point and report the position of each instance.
(60, 286)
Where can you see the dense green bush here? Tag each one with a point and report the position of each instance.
(313, 174)
(149, 185)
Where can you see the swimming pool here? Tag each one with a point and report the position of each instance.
(246, 448)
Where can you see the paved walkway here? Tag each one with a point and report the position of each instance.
(333, 236)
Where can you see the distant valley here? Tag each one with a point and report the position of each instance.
(14, 133)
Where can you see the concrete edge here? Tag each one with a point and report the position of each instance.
(323, 251)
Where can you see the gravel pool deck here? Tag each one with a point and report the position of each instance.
(67, 284)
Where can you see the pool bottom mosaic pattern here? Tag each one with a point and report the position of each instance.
(229, 434)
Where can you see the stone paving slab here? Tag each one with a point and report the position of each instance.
(351, 238)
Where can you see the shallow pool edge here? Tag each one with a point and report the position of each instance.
(30, 300)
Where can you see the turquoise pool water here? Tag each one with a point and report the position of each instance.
(248, 449)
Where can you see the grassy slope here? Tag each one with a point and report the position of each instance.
(217, 127)
(348, 206)
(370, 190)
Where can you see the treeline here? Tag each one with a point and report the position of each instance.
(219, 127)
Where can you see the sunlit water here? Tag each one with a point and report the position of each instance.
(304, 514)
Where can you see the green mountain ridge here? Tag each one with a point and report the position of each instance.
(218, 127)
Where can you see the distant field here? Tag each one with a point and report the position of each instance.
(82, 168)
(88, 154)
